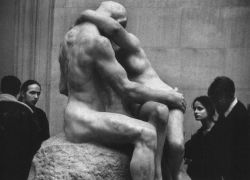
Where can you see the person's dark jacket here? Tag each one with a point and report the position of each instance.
(231, 141)
(16, 143)
(200, 156)
(41, 128)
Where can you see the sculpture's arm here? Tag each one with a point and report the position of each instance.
(116, 33)
(110, 69)
(111, 28)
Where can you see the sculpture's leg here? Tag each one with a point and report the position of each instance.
(84, 125)
(175, 144)
(142, 165)
(157, 114)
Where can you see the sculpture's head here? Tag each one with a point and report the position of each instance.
(114, 10)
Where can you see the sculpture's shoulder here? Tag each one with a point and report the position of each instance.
(85, 35)
(61, 159)
(85, 39)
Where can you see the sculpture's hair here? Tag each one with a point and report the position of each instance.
(114, 7)
(117, 11)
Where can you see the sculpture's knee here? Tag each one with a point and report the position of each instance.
(148, 137)
(161, 112)
(154, 111)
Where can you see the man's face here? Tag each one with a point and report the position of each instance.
(32, 94)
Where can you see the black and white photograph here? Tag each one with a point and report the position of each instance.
(125, 90)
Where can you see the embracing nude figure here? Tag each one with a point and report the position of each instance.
(110, 19)
(88, 66)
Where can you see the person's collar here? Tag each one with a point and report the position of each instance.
(231, 107)
(11, 98)
(7, 97)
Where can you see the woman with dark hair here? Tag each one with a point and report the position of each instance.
(199, 152)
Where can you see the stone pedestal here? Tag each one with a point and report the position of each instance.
(59, 159)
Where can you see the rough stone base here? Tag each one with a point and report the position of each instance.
(59, 159)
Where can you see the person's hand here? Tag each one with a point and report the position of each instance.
(177, 100)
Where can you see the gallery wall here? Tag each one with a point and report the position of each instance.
(7, 24)
(26, 38)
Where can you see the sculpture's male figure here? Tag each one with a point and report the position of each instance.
(87, 63)
(133, 59)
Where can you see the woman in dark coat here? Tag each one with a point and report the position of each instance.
(199, 152)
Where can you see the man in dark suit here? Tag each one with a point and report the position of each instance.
(230, 134)
(15, 132)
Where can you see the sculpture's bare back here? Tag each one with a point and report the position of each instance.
(85, 116)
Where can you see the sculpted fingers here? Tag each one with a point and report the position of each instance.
(184, 105)
(177, 100)
(181, 103)
(176, 89)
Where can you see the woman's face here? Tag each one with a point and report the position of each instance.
(200, 112)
